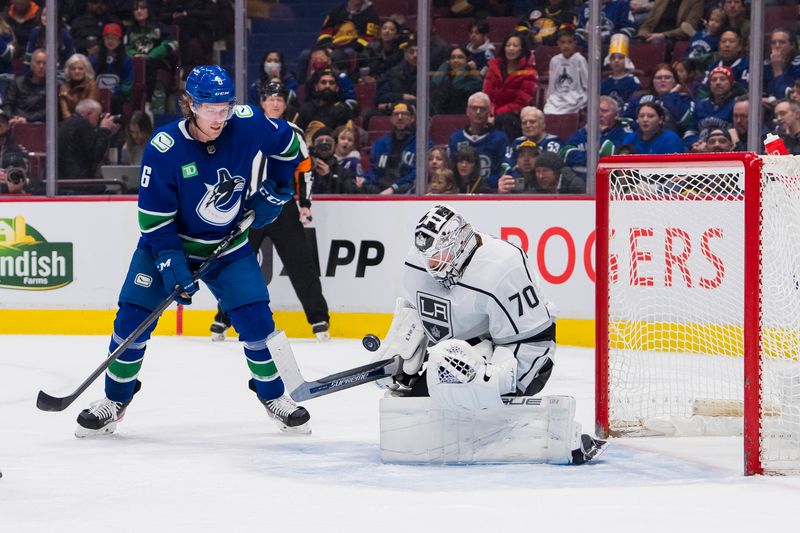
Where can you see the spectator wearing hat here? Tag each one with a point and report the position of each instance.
(719, 140)
(613, 132)
(325, 108)
(621, 83)
(489, 143)
(651, 137)
(113, 67)
(511, 83)
(24, 100)
(716, 110)
(11, 156)
(329, 176)
(533, 129)
(569, 77)
(522, 176)
(551, 176)
(320, 60)
(22, 16)
(399, 84)
(392, 162)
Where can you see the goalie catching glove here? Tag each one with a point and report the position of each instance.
(405, 338)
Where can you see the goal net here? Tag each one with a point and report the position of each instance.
(698, 301)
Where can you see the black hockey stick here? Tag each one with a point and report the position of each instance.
(300, 390)
(45, 402)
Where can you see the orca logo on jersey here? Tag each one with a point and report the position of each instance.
(434, 313)
(220, 205)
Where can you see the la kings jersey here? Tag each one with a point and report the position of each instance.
(498, 298)
(192, 193)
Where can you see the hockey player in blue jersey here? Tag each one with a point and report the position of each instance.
(199, 175)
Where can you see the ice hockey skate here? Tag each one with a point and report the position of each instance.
(221, 324)
(100, 418)
(290, 417)
(320, 330)
(591, 447)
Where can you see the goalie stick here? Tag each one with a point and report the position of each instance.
(300, 390)
(46, 402)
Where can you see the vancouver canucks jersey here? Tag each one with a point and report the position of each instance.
(498, 298)
(192, 194)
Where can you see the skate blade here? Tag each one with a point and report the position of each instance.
(83, 433)
(302, 429)
(217, 337)
(323, 336)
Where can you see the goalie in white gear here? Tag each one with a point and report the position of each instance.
(476, 300)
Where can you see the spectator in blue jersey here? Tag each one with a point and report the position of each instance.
(392, 162)
(671, 96)
(453, 83)
(782, 68)
(399, 83)
(325, 108)
(37, 39)
(7, 44)
(731, 54)
(716, 110)
(383, 53)
(615, 17)
(621, 83)
(533, 130)
(737, 17)
(706, 42)
(273, 65)
(613, 132)
(489, 143)
(479, 47)
(651, 137)
(319, 60)
(668, 17)
(113, 67)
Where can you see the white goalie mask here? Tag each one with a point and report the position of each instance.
(445, 241)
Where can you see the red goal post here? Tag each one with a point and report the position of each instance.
(698, 301)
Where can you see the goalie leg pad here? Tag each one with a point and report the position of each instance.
(524, 430)
(460, 379)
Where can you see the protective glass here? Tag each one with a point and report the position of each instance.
(213, 112)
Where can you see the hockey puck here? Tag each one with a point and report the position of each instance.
(371, 342)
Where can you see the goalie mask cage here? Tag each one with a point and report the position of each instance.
(698, 301)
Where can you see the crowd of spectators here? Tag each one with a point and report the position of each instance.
(687, 94)
(491, 103)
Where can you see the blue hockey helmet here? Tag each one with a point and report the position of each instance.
(210, 85)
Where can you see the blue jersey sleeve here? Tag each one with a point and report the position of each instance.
(158, 200)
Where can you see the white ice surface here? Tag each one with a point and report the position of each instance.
(196, 452)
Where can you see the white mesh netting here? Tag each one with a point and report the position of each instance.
(676, 303)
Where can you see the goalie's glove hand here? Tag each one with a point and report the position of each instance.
(175, 273)
(268, 202)
(405, 338)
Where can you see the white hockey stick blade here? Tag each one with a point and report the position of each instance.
(300, 390)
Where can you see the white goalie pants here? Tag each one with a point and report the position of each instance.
(524, 430)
